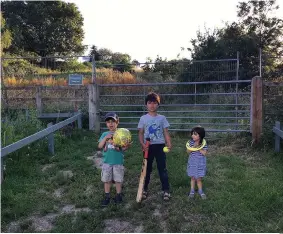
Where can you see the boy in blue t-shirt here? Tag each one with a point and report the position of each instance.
(155, 126)
(113, 160)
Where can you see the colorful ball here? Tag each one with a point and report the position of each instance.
(122, 137)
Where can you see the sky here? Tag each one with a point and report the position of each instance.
(149, 28)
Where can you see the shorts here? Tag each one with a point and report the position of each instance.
(112, 172)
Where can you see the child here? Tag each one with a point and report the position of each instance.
(155, 127)
(196, 168)
(113, 160)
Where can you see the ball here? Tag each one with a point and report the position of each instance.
(166, 149)
(122, 137)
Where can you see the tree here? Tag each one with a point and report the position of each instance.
(254, 30)
(105, 55)
(121, 61)
(6, 37)
(44, 27)
(106, 58)
(255, 17)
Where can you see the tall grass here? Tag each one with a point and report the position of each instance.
(16, 125)
(104, 75)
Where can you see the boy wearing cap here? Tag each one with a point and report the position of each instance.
(113, 160)
(155, 127)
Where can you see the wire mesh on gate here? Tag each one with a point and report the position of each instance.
(216, 110)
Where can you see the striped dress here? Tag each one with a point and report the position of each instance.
(197, 163)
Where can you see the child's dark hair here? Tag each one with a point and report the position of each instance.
(200, 131)
(153, 97)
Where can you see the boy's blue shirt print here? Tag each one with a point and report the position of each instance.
(153, 130)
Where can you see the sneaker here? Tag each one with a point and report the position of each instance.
(105, 201)
(144, 195)
(203, 196)
(191, 194)
(118, 198)
(166, 196)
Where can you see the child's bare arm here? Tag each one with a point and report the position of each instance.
(167, 138)
(141, 132)
(103, 141)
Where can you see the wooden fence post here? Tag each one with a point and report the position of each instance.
(38, 101)
(50, 140)
(277, 138)
(93, 107)
(256, 108)
(80, 120)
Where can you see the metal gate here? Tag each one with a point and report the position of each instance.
(207, 93)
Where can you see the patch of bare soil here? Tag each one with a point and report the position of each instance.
(44, 223)
(116, 225)
(97, 159)
(47, 166)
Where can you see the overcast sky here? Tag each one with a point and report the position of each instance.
(149, 28)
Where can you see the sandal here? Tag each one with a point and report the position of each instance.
(166, 196)
(144, 195)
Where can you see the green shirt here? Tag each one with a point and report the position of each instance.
(110, 155)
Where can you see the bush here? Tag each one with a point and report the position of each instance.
(16, 126)
(22, 68)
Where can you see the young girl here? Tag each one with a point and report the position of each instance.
(196, 168)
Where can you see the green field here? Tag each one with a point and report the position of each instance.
(62, 193)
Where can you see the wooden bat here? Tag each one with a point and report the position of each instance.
(143, 172)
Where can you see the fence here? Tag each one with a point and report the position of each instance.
(272, 103)
(58, 99)
(278, 134)
(217, 108)
(207, 92)
(39, 135)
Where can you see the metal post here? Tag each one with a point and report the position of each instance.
(50, 140)
(195, 94)
(238, 65)
(93, 80)
(237, 87)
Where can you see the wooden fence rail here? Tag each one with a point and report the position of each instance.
(278, 134)
(49, 132)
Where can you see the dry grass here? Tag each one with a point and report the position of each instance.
(104, 75)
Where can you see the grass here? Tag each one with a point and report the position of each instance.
(244, 188)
